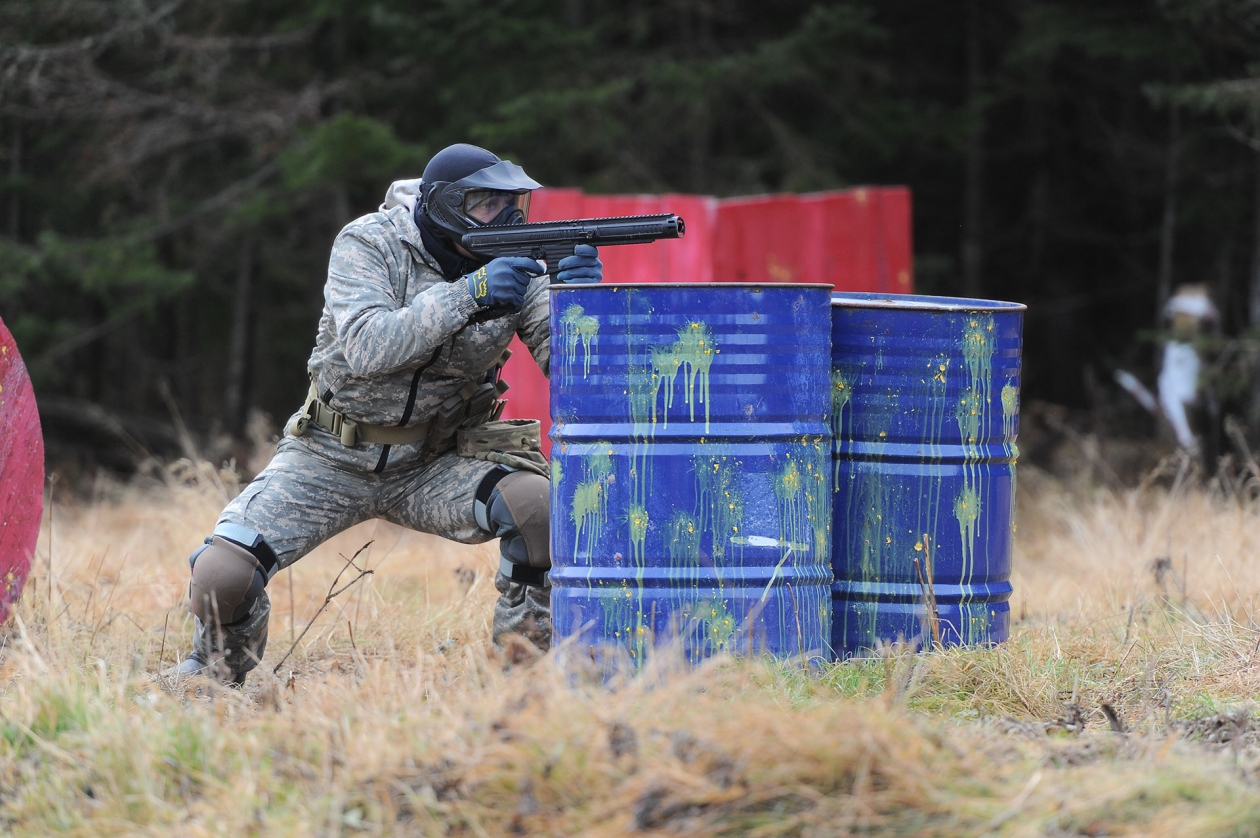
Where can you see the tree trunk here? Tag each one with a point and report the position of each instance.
(15, 172)
(1223, 291)
(1168, 229)
(972, 243)
(1253, 312)
(1039, 189)
(1253, 289)
(238, 350)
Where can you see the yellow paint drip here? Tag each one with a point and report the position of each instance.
(841, 394)
(1010, 411)
(841, 397)
(691, 354)
(638, 533)
(578, 326)
(684, 539)
(721, 505)
(804, 506)
(967, 511)
(969, 412)
(590, 499)
(589, 514)
(599, 463)
(717, 623)
(978, 346)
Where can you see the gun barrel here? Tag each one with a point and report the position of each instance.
(550, 240)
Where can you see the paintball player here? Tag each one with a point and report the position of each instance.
(400, 422)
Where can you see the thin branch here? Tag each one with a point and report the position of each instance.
(162, 651)
(234, 192)
(929, 593)
(333, 592)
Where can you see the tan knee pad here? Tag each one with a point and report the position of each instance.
(226, 579)
(528, 497)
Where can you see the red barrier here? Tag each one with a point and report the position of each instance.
(530, 394)
(760, 240)
(689, 259)
(555, 204)
(856, 240)
(640, 263)
(21, 474)
(859, 240)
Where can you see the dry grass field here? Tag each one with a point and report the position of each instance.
(1120, 706)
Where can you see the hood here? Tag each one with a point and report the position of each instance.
(403, 193)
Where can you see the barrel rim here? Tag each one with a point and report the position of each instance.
(920, 302)
(617, 285)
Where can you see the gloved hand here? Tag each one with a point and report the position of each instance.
(503, 282)
(582, 266)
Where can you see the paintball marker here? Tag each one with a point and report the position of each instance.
(551, 241)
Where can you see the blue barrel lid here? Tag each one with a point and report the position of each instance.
(619, 285)
(919, 302)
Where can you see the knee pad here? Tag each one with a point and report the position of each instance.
(513, 505)
(229, 574)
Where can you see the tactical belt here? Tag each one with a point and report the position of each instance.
(350, 431)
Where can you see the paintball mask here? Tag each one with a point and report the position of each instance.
(466, 187)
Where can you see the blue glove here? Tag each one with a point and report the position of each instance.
(503, 282)
(582, 266)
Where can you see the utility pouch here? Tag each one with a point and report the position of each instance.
(446, 422)
(516, 443)
(481, 405)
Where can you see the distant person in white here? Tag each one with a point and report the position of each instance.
(1188, 313)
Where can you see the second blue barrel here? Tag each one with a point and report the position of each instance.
(691, 468)
(925, 413)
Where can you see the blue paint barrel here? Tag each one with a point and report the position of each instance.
(691, 469)
(925, 411)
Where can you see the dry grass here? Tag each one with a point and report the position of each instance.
(394, 716)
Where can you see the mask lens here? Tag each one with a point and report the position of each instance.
(484, 204)
(522, 204)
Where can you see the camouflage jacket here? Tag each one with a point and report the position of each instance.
(389, 314)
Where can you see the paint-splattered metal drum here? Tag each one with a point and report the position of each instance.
(21, 473)
(925, 411)
(691, 468)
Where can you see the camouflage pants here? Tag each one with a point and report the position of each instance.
(315, 488)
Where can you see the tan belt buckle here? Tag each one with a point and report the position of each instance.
(349, 432)
(302, 423)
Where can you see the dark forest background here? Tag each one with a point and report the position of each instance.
(172, 174)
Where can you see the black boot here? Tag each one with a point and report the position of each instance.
(227, 653)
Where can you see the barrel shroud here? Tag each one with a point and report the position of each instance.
(925, 414)
(691, 476)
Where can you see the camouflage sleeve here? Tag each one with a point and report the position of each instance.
(379, 334)
(535, 323)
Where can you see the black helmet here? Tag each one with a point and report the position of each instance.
(466, 187)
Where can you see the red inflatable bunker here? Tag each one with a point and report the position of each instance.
(855, 239)
(21, 473)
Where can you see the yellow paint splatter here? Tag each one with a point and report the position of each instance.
(683, 545)
(719, 501)
(589, 514)
(1010, 411)
(691, 354)
(578, 326)
(967, 511)
(638, 532)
